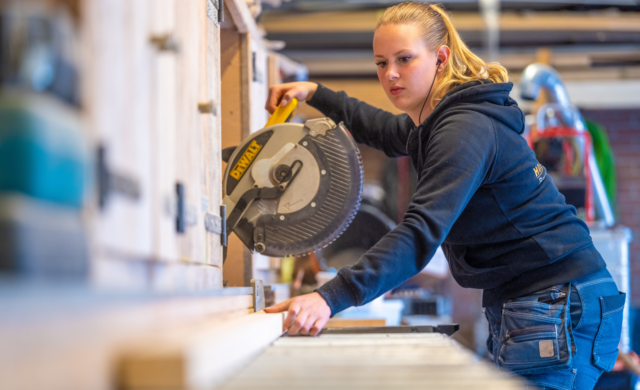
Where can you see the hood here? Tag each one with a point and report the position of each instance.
(486, 97)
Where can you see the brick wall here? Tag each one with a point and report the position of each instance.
(623, 129)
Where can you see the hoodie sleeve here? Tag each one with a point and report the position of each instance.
(369, 125)
(458, 159)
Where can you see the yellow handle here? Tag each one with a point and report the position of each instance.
(281, 113)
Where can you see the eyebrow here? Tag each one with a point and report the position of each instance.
(395, 54)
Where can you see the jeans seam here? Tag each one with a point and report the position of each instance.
(549, 320)
(592, 282)
(583, 302)
(612, 311)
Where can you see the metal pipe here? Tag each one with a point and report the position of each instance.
(538, 77)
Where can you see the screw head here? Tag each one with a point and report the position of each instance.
(313, 204)
(323, 172)
(282, 217)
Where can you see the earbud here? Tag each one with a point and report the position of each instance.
(439, 61)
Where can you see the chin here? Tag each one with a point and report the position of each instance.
(400, 103)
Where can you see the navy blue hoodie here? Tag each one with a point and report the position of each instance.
(481, 195)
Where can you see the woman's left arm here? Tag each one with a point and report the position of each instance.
(457, 162)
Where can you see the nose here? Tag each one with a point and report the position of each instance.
(391, 73)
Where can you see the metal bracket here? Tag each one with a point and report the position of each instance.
(217, 225)
(212, 11)
(258, 295)
(110, 182)
(215, 11)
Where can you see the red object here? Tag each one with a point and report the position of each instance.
(568, 132)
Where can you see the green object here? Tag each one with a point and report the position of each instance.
(604, 158)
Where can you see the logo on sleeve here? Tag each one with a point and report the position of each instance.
(540, 172)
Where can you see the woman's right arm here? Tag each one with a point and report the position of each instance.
(369, 125)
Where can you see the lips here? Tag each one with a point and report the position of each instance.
(396, 90)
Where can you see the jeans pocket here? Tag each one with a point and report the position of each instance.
(534, 338)
(605, 347)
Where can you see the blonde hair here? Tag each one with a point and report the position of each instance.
(436, 27)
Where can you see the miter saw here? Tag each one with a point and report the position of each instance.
(291, 188)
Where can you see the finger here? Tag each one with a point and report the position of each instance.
(304, 330)
(272, 100)
(279, 308)
(287, 97)
(297, 324)
(317, 327)
(294, 309)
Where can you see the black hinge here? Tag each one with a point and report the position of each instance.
(110, 182)
(181, 217)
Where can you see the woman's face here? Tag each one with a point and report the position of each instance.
(406, 66)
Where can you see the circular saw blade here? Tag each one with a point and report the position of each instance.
(326, 214)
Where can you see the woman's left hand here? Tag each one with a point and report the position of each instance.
(307, 314)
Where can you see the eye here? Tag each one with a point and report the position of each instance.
(381, 63)
(404, 59)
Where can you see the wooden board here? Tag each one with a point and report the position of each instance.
(117, 100)
(164, 72)
(237, 269)
(384, 361)
(198, 357)
(141, 102)
(70, 339)
(190, 166)
(351, 323)
(211, 176)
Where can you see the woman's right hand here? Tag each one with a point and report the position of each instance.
(282, 94)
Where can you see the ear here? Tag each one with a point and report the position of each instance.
(443, 54)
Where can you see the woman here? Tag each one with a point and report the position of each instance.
(482, 195)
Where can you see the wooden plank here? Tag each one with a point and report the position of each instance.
(237, 269)
(366, 20)
(384, 361)
(200, 357)
(116, 98)
(354, 322)
(91, 328)
(258, 81)
(188, 137)
(241, 16)
(164, 117)
(273, 70)
(209, 69)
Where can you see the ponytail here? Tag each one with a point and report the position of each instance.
(463, 65)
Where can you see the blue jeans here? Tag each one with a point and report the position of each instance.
(563, 337)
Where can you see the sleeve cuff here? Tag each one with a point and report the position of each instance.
(325, 100)
(338, 294)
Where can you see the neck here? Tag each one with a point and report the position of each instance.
(415, 114)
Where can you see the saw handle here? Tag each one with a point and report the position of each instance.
(282, 113)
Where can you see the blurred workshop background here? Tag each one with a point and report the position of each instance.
(113, 114)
